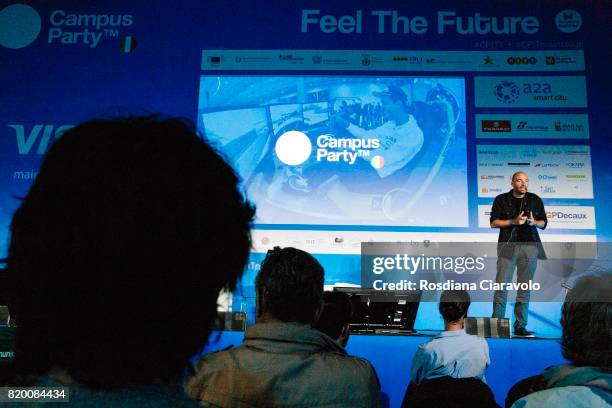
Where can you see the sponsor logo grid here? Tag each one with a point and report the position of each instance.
(556, 172)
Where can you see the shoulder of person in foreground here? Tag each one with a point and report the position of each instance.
(360, 370)
(352, 363)
(575, 396)
(199, 369)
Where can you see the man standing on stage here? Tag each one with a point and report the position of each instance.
(518, 214)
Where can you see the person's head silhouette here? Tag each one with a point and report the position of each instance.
(119, 250)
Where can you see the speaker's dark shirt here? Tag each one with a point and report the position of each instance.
(522, 232)
(507, 207)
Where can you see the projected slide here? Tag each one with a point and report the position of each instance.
(335, 150)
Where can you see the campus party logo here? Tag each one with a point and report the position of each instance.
(95, 26)
(20, 26)
(294, 148)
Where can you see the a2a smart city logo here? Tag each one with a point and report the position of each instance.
(509, 92)
(506, 91)
(21, 25)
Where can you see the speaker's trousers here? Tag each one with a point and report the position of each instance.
(525, 261)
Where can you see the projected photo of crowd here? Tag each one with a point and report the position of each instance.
(370, 150)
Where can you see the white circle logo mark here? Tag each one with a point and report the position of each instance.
(568, 21)
(293, 147)
(19, 26)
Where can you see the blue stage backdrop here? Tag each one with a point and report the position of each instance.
(309, 102)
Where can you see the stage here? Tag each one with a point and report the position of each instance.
(511, 359)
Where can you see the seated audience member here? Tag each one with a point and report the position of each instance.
(334, 321)
(336, 316)
(283, 361)
(117, 255)
(449, 370)
(449, 392)
(586, 319)
(453, 352)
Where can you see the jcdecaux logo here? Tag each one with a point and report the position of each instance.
(21, 25)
